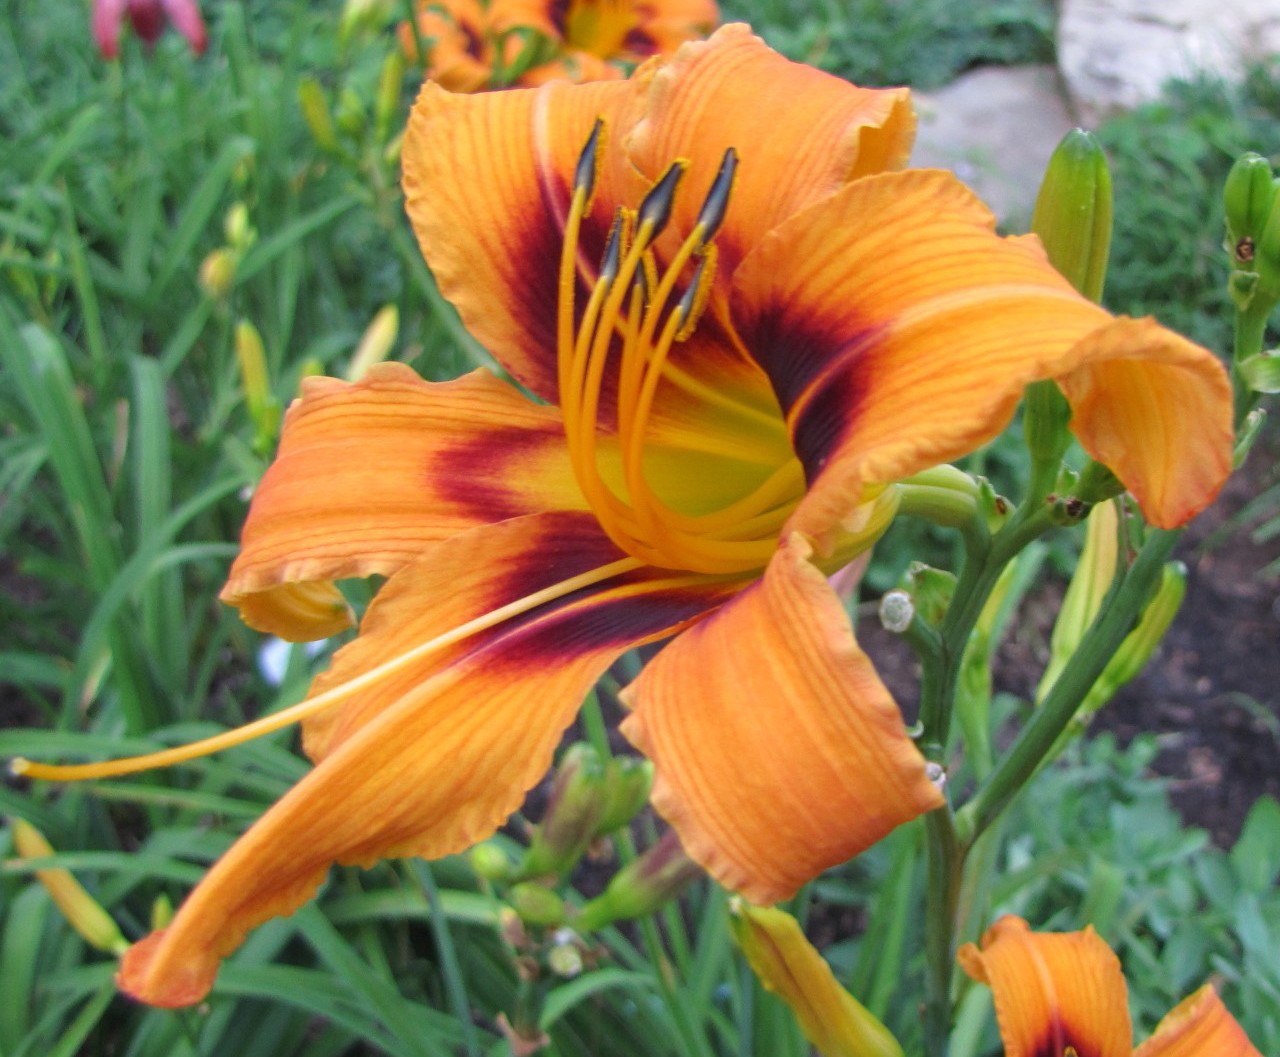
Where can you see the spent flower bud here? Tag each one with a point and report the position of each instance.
(1073, 212)
(83, 913)
(656, 877)
(788, 965)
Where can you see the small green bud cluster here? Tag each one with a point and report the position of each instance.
(1252, 209)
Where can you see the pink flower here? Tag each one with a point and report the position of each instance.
(148, 18)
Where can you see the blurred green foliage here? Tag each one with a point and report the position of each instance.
(921, 43)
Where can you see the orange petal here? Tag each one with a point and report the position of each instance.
(370, 473)
(899, 332)
(1052, 990)
(779, 752)
(487, 181)
(460, 56)
(1198, 1026)
(800, 133)
(435, 755)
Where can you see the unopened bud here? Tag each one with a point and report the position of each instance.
(656, 877)
(788, 965)
(350, 114)
(1141, 642)
(359, 16)
(161, 912)
(264, 409)
(573, 812)
(1073, 212)
(1092, 580)
(218, 273)
(1247, 199)
(83, 913)
(627, 781)
(239, 232)
(315, 111)
(376, 342)
(490, 861)
(386, 107)
(537, 905)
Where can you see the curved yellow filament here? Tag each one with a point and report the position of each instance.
(312, 706)
(633, 314)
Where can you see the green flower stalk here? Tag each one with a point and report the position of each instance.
(264, 408)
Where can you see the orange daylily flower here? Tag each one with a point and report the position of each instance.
(589, 40)
(1060, 994)
(741, 325)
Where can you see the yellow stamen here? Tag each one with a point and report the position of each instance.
(314, 705)
(636, 315)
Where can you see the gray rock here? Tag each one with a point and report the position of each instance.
(995, 127)
(1116, 54)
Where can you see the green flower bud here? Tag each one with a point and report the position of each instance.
(239, 232)
(376, 342)
(315, 111)
(264, 409)
(574, 810)
(387, 105)
(537, 905)
(83, 913)
(627, 781)
(1248, 433)
(1141, 642)
(218, 273)
(1089, 585)
(161, 912)
(490, 861)
(1247, 198)
(350, 114)
(656, 877)
(1073, 212)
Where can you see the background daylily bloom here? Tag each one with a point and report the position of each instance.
(583, 40)
(148, 19)
(1062, 993)
(779, 328)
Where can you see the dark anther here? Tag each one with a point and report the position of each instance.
(584, 177)
(689, 299)
(612, 258)
(656, 207)
(716, 204)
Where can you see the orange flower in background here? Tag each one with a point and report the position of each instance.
(148, 19)
(473, 45)
(744, 326)
(1062, 993)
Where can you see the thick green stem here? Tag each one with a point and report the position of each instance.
(1098, 646)
(946, 859)
(1250, 335)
